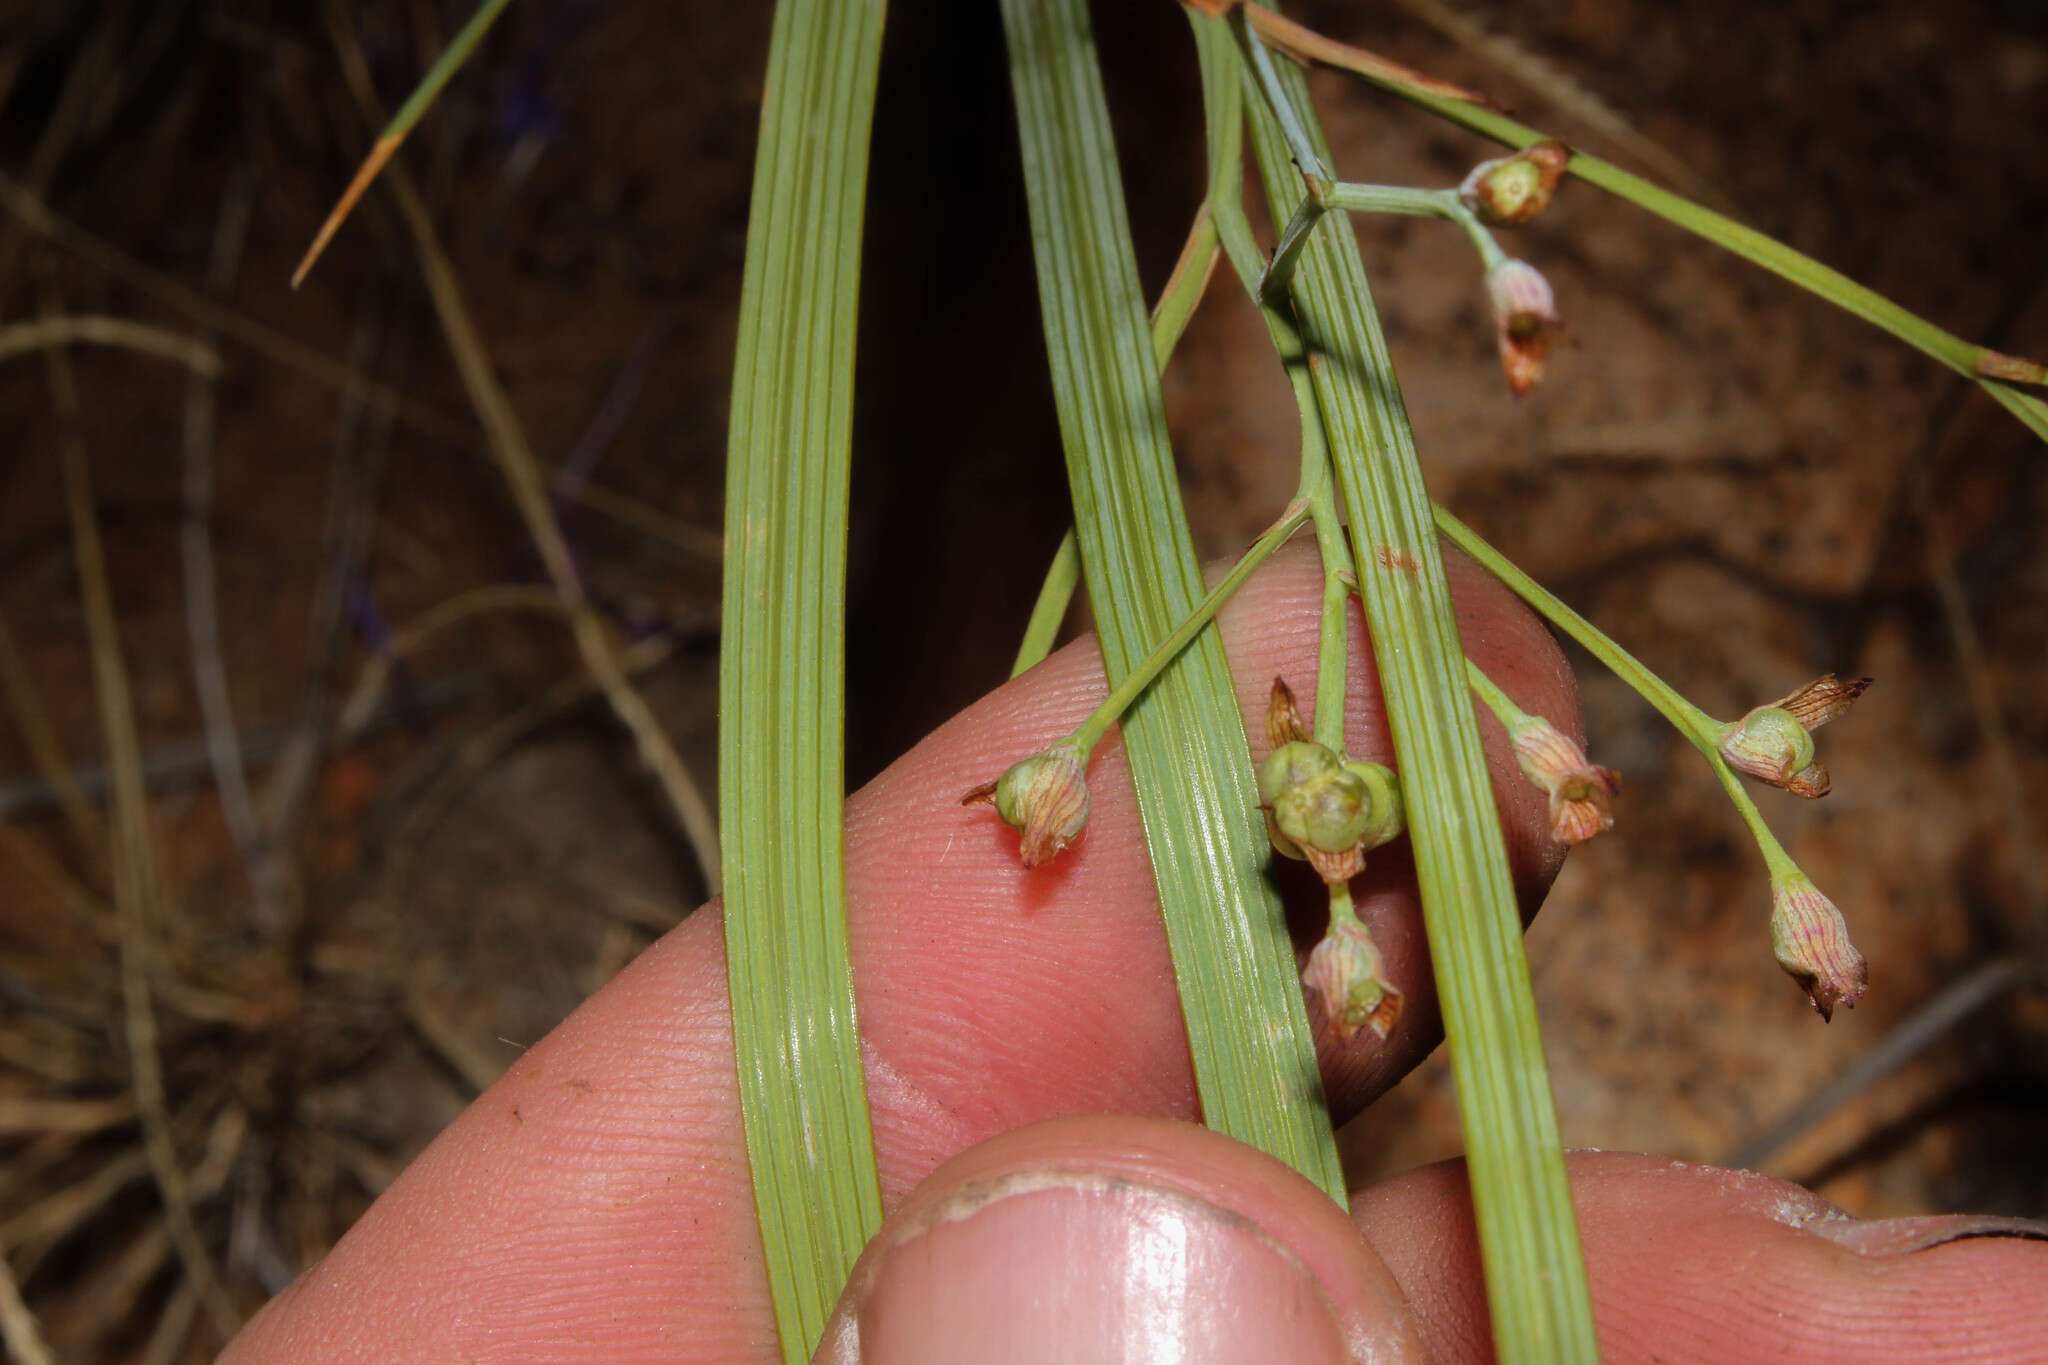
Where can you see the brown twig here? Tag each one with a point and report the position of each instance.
(47, 1221)
(30, 210)
(20, 1114)
(93, 329)
(478, 753)
(166, 1344)
(56, 1052)
(136, 887)
(360, 446)
(529, 492)
(408, 639)
(26, 206)
(270, 887)
(446, 1041)
(33, 718)
(18, 1326)
(81, 86)
(87, 909)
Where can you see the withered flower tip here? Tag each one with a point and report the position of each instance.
(1345, 973)
(1514, 189)
(1774, 743)
(1524, 317)
(1284, 724)
(1043, 797)
(1581, 792)
(1811, 941)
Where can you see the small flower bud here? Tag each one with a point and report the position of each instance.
(1514, 189)
(1769, 743)
(1345, 973)
(1044, 797)
(1524, 316)
(1581, 792)
(1328, 812)
(1290, 766)
(1775, 743)
(1386, 815)
(1326, 809)
(1811, 941)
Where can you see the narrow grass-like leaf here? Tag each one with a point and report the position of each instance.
(393, 136)
(1535, 1275)
(1055, 595)
(1254, 1058)
(782, 668)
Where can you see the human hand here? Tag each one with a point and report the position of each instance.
(595, 1203)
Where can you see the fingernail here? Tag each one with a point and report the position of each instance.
(1077, 1267)
(1903, 1236)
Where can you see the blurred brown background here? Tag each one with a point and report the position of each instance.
(447, 841)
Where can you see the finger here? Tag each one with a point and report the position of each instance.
(1696, 1263)
(1113, 1239)
(599, 1191)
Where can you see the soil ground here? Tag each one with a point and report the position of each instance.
(1742, 484)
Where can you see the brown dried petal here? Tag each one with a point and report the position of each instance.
(1284, 724)
(1334, 867)
(1823, 699)
(1811, 782)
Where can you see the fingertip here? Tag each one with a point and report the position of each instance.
(1691, 1262)
(1118, 1238)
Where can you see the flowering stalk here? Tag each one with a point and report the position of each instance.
(1811, 942)
(1524, 308)
(1045, 796)
(1995, 372)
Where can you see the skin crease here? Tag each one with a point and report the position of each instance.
(595, 1203)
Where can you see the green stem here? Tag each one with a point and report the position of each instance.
(1420, 204)
(1055, 595)
(1689, 720)
(1696, 725)
(1504, 709)
(1332, 650)
(1134, 683)
(1184, 290)
(1279, 275)
(1308, 158)
(1534, 1271)
(1775, 858)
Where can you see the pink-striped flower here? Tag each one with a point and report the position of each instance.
(1811, 941)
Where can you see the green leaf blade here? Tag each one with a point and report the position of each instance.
(1254, 1058)
(803, 1098)
(1535, 1273)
